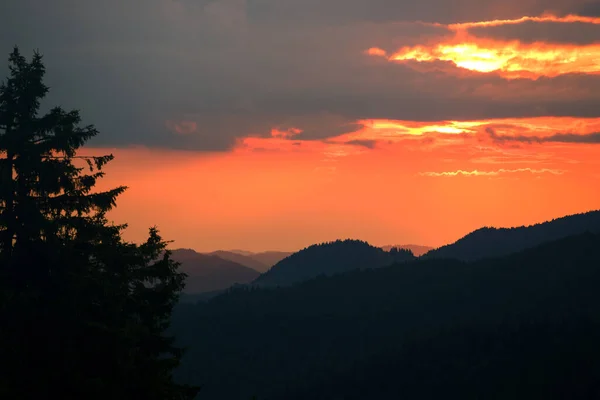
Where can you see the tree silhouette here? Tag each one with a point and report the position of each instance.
(82, 312)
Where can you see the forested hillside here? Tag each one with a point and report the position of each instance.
(495, 242)
(277, 342)
(209, 273)
(329, 259)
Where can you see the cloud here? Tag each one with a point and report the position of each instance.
(493, 173)
(238, 68)
(577, 33)
(347, 11)
(473, 133)
(285, 134)
(544, 18)
(369, 144)
(588, 138)
(182, 127)
(590, 8)
(512, 48)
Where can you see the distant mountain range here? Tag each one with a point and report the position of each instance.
(208, 273)
(348, 320)
(211, 273)
(271, 258)
(260, 262)
(242, 259)
(522, 326)
(416, 249)
(329, 259)
(495, 242)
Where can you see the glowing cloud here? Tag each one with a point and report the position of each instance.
(532, 130)
(568, 19)
(493, 173)
(376, 51)
(395, 127)
(510, 59)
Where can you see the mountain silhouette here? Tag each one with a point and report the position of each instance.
(525, 324)
(208, 273)
(260, 262)
(416, 249)
(493, 242)
(243, 259)
(329, 259)
(239, 251)
(270, 258)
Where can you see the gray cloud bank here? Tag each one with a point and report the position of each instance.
(228, 68)
(589, 138)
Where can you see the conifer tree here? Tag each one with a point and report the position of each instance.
(83, 313)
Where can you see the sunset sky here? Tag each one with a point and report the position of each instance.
(275, 124)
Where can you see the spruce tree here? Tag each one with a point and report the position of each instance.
(83, 313)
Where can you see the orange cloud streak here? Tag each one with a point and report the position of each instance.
(393, 130)
(567, 19)
(493, 173)
(510, 59)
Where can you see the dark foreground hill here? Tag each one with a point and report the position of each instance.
(495, 242)
(518, 327)
(211, 273)
(329, 259)
(554, 360)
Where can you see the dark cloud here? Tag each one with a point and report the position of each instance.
(590, 9)
(589, 138)
(441, 11)
(547, 32)
(139, 69)
(369, 144)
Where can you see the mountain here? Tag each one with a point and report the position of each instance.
(242, 252)
(207, 273)
(243, 259)
(260, 262)
(522, 326)
(329, 259)
(416, 249)
(494, 242)
(270, 258)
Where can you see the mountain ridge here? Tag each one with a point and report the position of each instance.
(329, 258)
(209, 273)
(245, 260)
(417, 250)
(489, 242)
(350, 317)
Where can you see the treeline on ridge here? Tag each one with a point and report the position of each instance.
(279, 341)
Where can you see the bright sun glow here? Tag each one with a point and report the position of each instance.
(511, 59)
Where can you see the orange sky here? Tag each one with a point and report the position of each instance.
(422, 187)
(390, 181)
